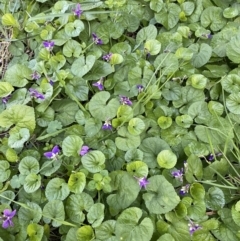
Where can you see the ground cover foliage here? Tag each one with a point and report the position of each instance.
(119, 120)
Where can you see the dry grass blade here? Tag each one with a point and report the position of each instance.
(5, 55)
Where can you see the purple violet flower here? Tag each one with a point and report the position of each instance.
(178, 174)
(77, 11)
(208, 36)
(48, 45)
(107, 57)
(211, 156)
(107, 125)
(35, 75)
(51, 82)
(52, 154)
(140, 88)
(143, 182)
(125, 100)
(193, 227)
(36, 94)
(96, 40)
(7, 218)
(184, 189)
(84, 150)
(99, 84)
(5, 99)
